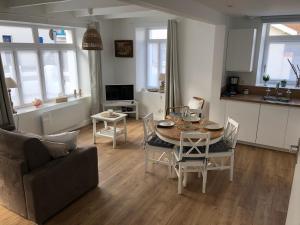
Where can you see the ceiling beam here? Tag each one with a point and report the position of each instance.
(146, 13)
(187, 8)
(26, 3)
(76, 5)
(110, 10)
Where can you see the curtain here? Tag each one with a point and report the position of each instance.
(6, 115)
(173, 96)
(96, 78)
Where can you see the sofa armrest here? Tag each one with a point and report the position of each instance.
(12, 193)
(55, 185)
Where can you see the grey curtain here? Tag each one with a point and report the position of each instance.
(6, 115)
(96, 78)
(173, 96)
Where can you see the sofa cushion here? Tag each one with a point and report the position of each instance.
(12, 144)
(36, 154)
(68, 138)
(55, 149)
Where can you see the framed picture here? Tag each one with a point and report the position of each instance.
(124, 48)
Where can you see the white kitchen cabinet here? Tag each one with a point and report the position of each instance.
(272, 125)
(293, 127)
(240, 50)
(152, 102)
(246, 114)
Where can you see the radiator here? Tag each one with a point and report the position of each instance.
(62, 118)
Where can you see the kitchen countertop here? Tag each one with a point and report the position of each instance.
(259, 99)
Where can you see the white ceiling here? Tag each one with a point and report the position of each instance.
(79, 9)
(254, 7)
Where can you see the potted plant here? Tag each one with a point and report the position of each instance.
(266, 78)
(283, 83)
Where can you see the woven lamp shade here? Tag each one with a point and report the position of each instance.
(92, 39)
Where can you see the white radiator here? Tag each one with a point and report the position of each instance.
(62, 118)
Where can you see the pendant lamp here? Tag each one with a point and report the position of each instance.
(91, 39)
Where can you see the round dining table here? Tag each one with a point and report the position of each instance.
(172, 134)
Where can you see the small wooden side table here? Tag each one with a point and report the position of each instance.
(109, 131)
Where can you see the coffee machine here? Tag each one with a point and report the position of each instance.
(232, 85)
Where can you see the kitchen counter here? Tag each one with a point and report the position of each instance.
(259, 99)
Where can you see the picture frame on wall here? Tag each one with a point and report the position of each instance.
(124, 48)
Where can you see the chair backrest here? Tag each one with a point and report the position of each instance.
(193, 139)
(231, 132)
(177, 111)
(196, 105)
(148, 123)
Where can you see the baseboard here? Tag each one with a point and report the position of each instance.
(265, 147)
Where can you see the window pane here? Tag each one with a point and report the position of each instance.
(153, 64)
(277, 63)
(70, 71)
(29, 75)
(52, 74)
(163, 57)
(16, 34)
(9, 71)
(158, 34)
(286, 29)
(55, 36)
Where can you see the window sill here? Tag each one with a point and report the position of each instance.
(47, 106)
(292, 87)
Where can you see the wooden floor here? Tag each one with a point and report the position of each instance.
(258, 195)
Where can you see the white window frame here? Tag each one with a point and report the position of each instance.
(275, 39)
(148, 41)
(38, 48)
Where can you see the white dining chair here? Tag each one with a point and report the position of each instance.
(152, 143)
(196, 105)
(224, 149)
(190, 158)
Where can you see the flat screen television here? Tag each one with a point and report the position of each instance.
(119, 92)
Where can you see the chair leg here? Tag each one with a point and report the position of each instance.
(146, 160)
(180, 180)
(231, 167)
(169, 154)
(204, 175)
(185, 178)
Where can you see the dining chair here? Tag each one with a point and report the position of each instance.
(224, 148)
(196, 105)
(190, 158)
(178, 111)
(152, 143)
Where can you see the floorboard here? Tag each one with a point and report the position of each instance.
(258, 195)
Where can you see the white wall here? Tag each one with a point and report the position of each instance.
(217, 107)
(196, 45)
(201, 60)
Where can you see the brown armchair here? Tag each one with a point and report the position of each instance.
(34, 185)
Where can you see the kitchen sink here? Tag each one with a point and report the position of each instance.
(276, 99)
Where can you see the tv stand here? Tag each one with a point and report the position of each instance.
(118, 105)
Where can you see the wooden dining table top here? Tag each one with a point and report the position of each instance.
(174, 132)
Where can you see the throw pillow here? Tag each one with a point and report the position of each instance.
(55, 149)
(68, 138)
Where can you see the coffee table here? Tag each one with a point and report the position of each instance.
(109, 131)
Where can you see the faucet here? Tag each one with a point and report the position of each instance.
(277, 90)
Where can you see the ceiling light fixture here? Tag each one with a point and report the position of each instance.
(92, 39)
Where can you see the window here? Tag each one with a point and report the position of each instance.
(282, 43)
(156, 56)
(43, 69)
